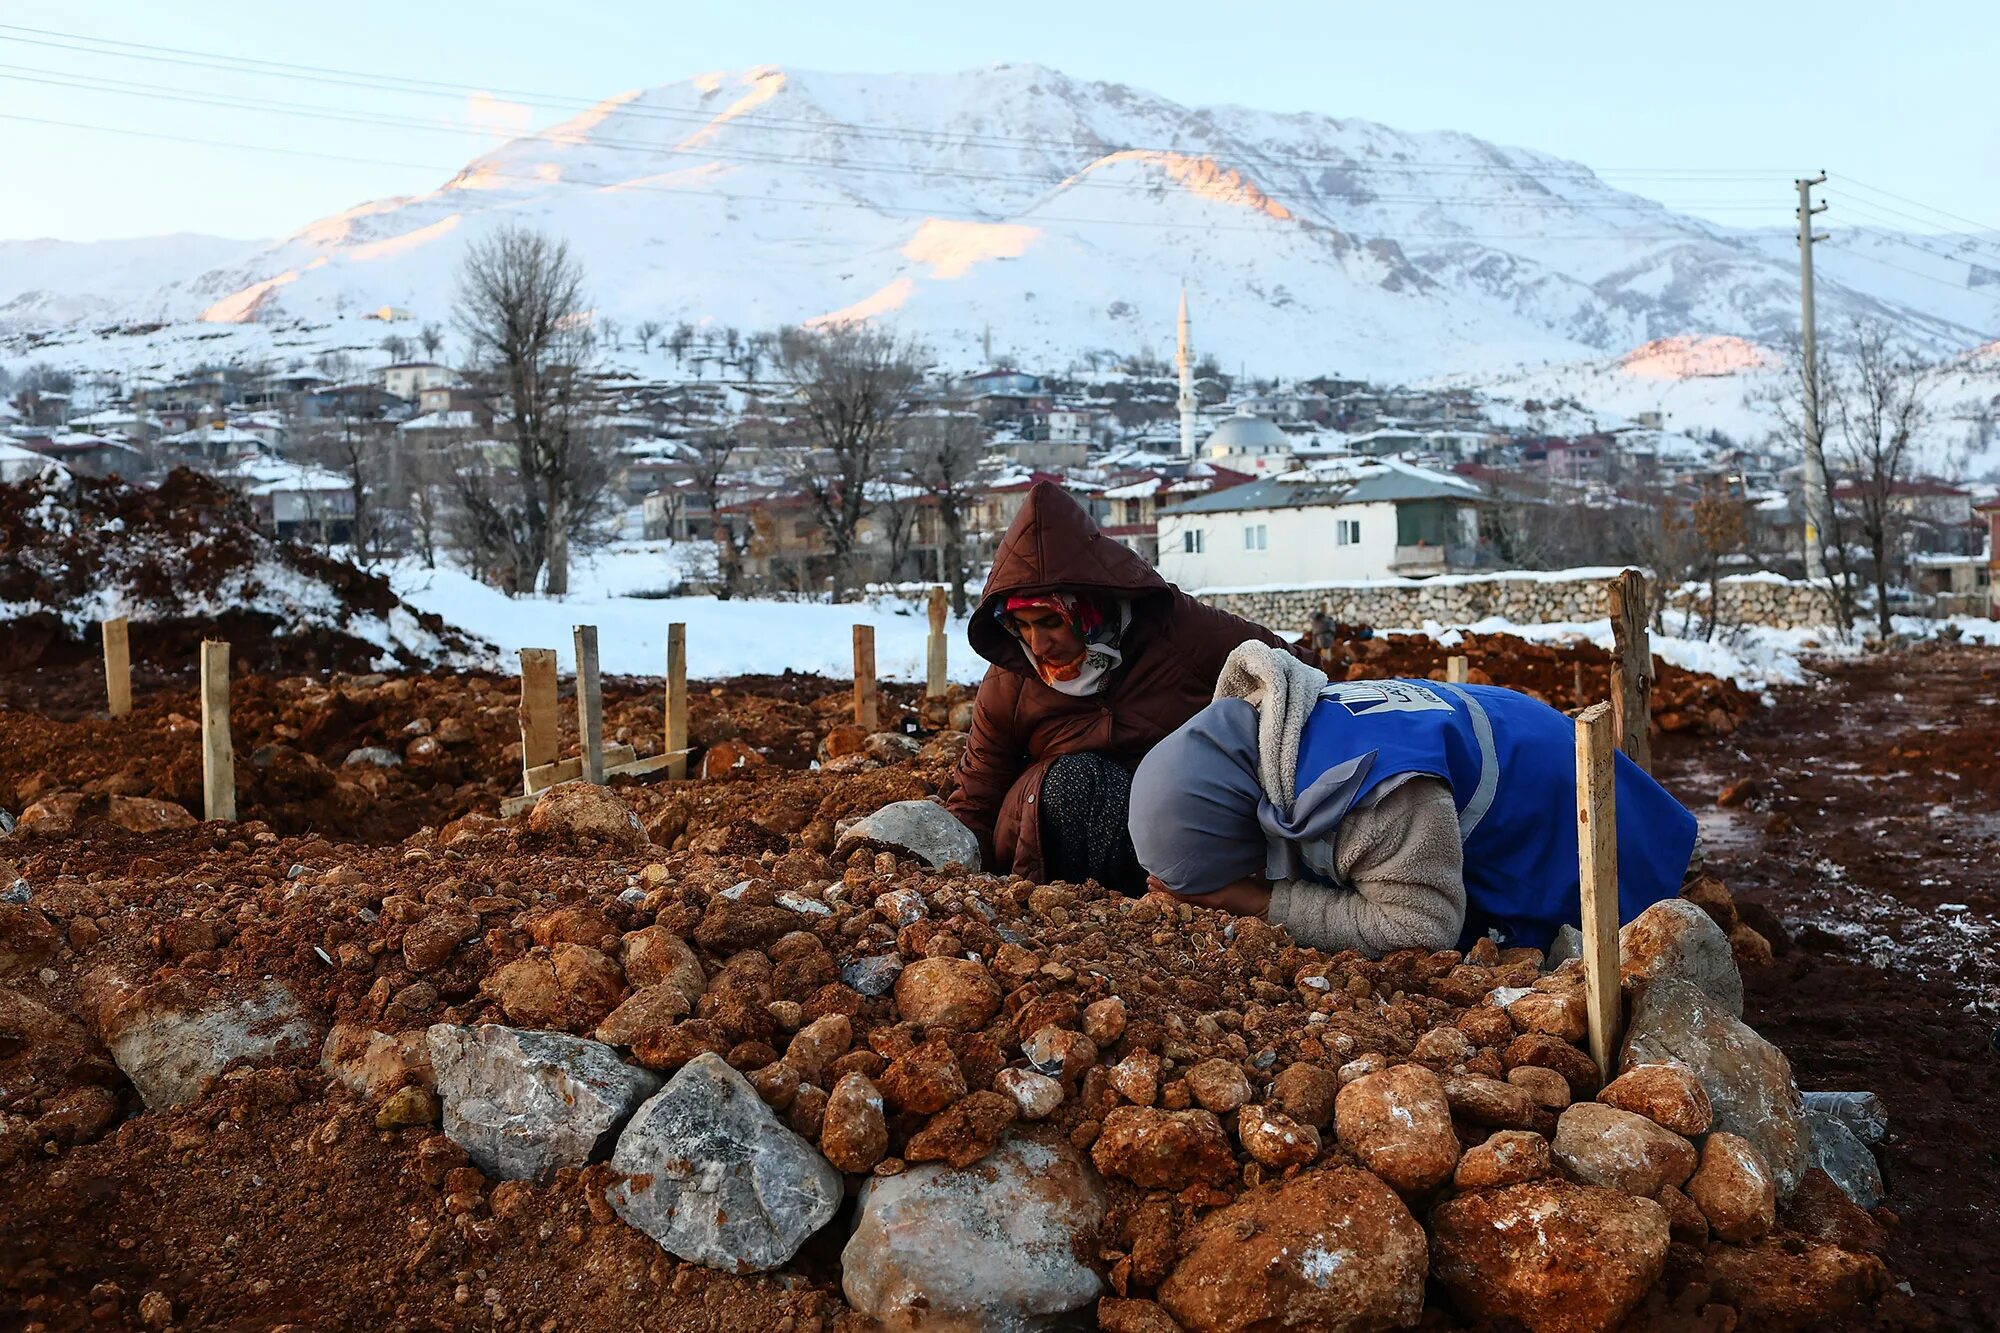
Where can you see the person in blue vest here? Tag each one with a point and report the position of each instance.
(1388, 814)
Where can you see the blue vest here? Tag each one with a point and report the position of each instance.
(1511, 765)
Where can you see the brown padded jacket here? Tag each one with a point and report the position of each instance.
(1173, 648)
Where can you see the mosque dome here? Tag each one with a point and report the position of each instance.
(1245, 433)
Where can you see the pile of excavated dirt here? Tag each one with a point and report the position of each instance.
(371, 758)
(1566, 675)
(185, 560)
(242, 1078)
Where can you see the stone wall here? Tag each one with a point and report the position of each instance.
(1530, 599)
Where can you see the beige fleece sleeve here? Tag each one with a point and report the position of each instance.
(1404, 859)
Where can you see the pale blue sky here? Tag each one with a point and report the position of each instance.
(1896, 96)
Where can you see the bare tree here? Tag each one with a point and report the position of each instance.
(710, 466)
(612, 328)
(853, 384)
(680, 340)
(397, 346)
(432, 338)
(524, 318)
(646, 332)
(944, 451)
(1719, 526)
(357, 449)
(1880, 405)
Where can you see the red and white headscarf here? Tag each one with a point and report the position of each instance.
(1101, 654)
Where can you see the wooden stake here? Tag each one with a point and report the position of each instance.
(867, 708)
(1581, 694)
(934, 687)
(218, 755)
(589, 704)
(1597, 857)
(677, 701)
(540, 732)
(1455, 668)
(1632, 667)
(118, 666)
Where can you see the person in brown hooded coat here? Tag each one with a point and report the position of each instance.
(1095, 659)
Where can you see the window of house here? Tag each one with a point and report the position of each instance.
(1347, 532)
(1191, 541)
(1256, 537)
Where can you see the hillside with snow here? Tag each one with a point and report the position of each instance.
(1057, 214)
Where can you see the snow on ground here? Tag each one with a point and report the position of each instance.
(733, 638)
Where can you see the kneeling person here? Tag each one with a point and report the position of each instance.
(1390, 814)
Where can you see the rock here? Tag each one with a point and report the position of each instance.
(28, 938)
(729, 925)
(77, 1116)
(374, 1064)
(728, 756)
(1036, 1096)
(53, 816)
(372, 754)
(842, 740)
(1508, 1157)
(1777, 1283)
(714, 1178)
(1669, 1095)
(1567, 944)
(1306, 1093)
(1275, 1139)
(1059, 1053)
(1397, 1123)
(1219, 1085)
(1443, 1047)
(1820, 1211)
(924, 829)
(645, 1010)
(171, 1038)
(138, 814)
(1602, 1145)
(433, 939)
(656, 956)
(1104, 1020)
(997, 1246)
(1327, 1250)
(1549, 1089)
(872, 976)
(1740, 792)
(522, 1104)
(1748, 1080)
(527, 992)
(924, 1079)
(1157, 1149)
(947, 992)
(1749, 948)
(1676, 939)
(1844, 1157)
(818, 1044)
(963, 1132)
(890, 747)
(854, 1133)
(1130, 1315)
(574, 810)
(407, 1108)
(1861, 1112)
(1560, 1258)
(1136, 1078)
(1563, 1016)
(1539, 1048)
(902, 907)
(1488, 1101)
(156, 1311)
(1733, 1188)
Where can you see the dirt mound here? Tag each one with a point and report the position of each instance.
(1567, 675)
(1193, 1057)
(185, 560)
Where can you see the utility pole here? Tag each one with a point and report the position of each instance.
(1815, 460)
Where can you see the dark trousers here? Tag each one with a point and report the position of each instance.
(1084, 802)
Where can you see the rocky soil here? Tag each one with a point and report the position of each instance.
(713, 1054)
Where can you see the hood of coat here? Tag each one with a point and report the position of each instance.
(1053, 546)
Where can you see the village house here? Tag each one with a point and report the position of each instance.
(406, 379)
(1345, 519)
(1131, 503)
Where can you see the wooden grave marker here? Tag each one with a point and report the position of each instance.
(218, 754)
(1631, 667)
(677, 702)
(118, 666)
(1597, 854)
(589, 705)
(867, 703)
(934, 683)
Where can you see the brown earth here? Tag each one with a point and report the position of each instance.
(274, 1199)
(1869, 853)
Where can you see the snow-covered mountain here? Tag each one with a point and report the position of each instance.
(1054, 215)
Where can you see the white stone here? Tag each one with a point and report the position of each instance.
(923, 828)
(524, 1103)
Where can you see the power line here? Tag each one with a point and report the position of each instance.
(1876, 189)
(886, 210)
(30, 74)
(753, 120)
